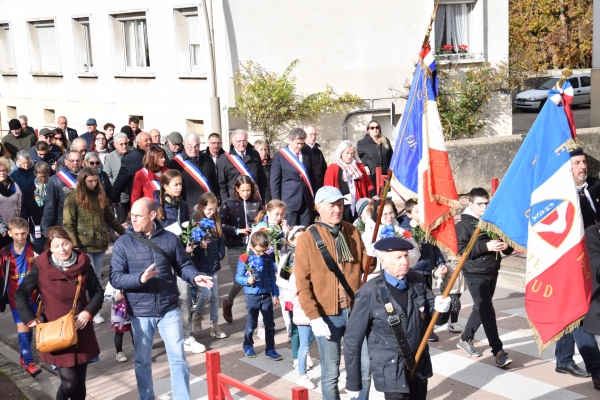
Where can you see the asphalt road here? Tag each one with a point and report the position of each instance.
(523, 120)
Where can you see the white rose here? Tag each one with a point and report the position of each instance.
(414, 223)
(185, 224)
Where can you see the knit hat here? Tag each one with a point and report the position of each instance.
(360, 205)
(14, 124)
(175, 138)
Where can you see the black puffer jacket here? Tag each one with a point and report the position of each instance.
(130, 259)
(374, 155)
(480, 260)
(233, 218)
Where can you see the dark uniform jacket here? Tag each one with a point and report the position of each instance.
(227, 172)
(191, 188)
(592, 318)
(590, 217)
(369, 318)
(319, 165)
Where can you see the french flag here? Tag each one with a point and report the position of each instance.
(420, 162)
(536, 208)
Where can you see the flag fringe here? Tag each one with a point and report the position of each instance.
(403, 191)
(488, 226)
(573, 144)
(430, 239)
(543, 346)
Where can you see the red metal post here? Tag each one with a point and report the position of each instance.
(495, 184)
(299, 393)
(378, 180)
(213, 369)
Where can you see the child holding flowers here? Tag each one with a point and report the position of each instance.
(255, 272)
(207, 260)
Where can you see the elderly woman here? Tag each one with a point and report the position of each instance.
(147, 180)
(55, 276)
(266, 160)
(99, 145)
(32, 208)
(23, 175)
(398, 293)
(92, 160)
(350, 177)
(375, 151)
(10, 198)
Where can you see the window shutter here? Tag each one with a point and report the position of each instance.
(48, 48)
(193, 29)
(9, 49)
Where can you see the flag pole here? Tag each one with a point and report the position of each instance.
(446, 293)
(386, 189)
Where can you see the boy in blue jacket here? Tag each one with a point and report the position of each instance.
(256, 273)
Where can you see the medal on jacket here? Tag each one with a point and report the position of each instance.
(389, 308)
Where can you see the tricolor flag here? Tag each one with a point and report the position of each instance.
(420, 162)
(536, 208)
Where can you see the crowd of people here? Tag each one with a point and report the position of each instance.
(297, 232)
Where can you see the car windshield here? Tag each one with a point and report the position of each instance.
(549, 84)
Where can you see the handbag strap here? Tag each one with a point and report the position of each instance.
(331, 264)
(39, 310)
(395, 324)
(152, 245)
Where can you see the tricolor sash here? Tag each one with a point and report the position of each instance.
(153, 182)
(66, 179)
(194, 172)
(243, 169)
(292, 159)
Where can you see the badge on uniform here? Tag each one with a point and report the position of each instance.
(389, 308)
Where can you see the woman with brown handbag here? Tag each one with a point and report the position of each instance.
(55, 275)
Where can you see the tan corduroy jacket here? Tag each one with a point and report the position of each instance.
(317, 286)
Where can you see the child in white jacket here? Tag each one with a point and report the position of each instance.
(442, 275)
(119, 320)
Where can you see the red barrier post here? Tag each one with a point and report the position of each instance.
(299, 393)
(213, 369)
(378, 180)
(495, 184)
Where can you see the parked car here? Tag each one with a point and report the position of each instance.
(534, 99)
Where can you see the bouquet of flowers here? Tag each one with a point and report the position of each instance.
(206, 225)
(193, 234)
(390, 231)
(275, 235)
(254, 265)
(490, 234)
(417, 233)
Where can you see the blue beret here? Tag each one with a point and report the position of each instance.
(576, 152)
(393, 244)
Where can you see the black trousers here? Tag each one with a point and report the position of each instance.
(418, 391)
(482, 290)
(304, 216)
(122, 212)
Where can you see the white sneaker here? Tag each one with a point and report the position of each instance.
(305, 382)
(295, 363)
(309, 362)
(190, 344)
(121, 357)
(98, 319)
(261, 333)
(454, 328)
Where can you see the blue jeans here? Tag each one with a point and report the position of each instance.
(306, 338)
(171, 331)
(97, 259)
(330, 354)
(262, 303)
(588, 348)
(209, 295)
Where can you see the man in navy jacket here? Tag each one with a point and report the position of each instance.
(293, 179)
(145, 275)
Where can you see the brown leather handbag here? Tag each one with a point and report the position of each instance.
(58, 334)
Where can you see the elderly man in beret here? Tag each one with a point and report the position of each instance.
(392, 311)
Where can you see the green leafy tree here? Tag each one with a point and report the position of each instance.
(268, 101)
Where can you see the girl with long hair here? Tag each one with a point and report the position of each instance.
(207, 259)
(147, 180)
(237, 214)
(85, 213)
(100, 145)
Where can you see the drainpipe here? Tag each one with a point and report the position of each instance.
(215, 104)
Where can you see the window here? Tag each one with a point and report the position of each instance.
(585, 81)
(7, 59)
(43, 46)
(135, 40)
(11, 112)
(83, 44)
(459, 24)
(195, 126)
(190, 46)
(49, 118)
(574, 82)
(141, 121)
(193, 30)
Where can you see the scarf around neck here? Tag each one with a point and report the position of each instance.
(350, 171)
(39, 193)
(344, 254)
(62, 265)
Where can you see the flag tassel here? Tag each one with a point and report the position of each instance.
(543, 346)
(488, 226)
(446, 293)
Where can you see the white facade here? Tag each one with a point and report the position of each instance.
(113, 59)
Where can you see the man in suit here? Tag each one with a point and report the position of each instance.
(318, 159)
(246, 158)
(292, 168)
(192, 189)
(69, 132)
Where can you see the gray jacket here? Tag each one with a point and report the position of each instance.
(112, 165)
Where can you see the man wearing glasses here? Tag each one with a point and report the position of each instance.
(214, 149)
(80, 145)
(173, 145)
(56, 190)
(241, 159)
(481, 275)
(318, 159)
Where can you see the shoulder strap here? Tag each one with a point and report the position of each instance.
(395, 324)
(155, 247)
(331, 264)
(39, 310)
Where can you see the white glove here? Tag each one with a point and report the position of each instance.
(320, 328)
(352, 395)
(442, 305)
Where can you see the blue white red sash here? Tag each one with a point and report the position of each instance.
(292, 159)
(153, 182)
(243, 169)
(67, 179)
(194, 172)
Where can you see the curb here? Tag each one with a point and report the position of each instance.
(26, 384)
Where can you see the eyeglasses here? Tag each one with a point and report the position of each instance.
(94, 162)
(135, 216)
(372, 128)
(388, 215)
(259, 252)
(483, 204)
(74, 161)
(42, 176)
(211, 210)
(240, 141)
(101, 138)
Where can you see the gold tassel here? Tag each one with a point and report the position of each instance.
(543, 346)
(488, 226)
